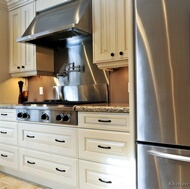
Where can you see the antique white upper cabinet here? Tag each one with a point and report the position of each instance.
(110, 33)
(24, 59)
(46, 4)
(4, 69)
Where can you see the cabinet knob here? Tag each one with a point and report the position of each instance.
(121, 53)
(18, 67)
(112, 54)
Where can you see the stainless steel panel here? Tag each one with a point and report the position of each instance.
(60, 114)
(82, 93)
(50, 27)
(163, 168)
(163, 71)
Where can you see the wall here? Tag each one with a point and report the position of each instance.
(41, 81)
(118, 87)
(10, 91)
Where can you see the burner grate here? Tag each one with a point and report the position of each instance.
(62, 102)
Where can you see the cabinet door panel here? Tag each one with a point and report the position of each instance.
(9, 156)
(101, 176)
(104, 121)
(8, 132)
(28, 50)
(14, 22)
(55, 168)
(8, 114)
(110, 32)
(104, 43)
(52, 139)
(122, 29)
(104, 146)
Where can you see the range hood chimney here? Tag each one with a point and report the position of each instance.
(51, 27)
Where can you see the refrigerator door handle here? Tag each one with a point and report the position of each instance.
(169, 156)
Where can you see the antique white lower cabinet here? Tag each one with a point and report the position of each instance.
(105, 151)
(8, 138)
(50, 152)
(98, 153)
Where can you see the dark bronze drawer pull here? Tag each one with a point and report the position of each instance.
(107, 182)
(4, 114)
(60, 140)
(32, 163)
(104, 147)
(104, 121)
(3, 132)
(57, 169)
(3, 155)
(29, 136)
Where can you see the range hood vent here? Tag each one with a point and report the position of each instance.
(51, 27)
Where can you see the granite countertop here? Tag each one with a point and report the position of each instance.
(8, 106)
(104, 107)
(112, 108)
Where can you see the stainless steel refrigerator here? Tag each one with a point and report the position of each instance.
(162, 71)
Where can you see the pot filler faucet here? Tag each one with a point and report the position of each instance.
(70, 67)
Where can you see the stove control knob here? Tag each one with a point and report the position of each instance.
(67, 117)
(20, 115)
(25, 115)
(59, 117)
(44, 117)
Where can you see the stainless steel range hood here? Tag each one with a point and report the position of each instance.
(51, 27)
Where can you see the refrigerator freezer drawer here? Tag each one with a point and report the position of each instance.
(160, 167)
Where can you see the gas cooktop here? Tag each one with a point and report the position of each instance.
(60, 114)
(61, 102)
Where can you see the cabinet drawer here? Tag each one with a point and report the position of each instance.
(8, 132)
(51, 139)
(104, 146)
(101, 176)
(9, 156)
(55, 168)
(108, 121)
(8, 114)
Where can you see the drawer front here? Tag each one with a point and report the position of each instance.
(51, 139)
(8, 132)
(108, 121)
(55, 168)
(101, 176)
(104, 146)
(9, 156)
(8, 114)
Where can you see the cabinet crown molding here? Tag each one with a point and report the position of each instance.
(13, 4)
(3, 5)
